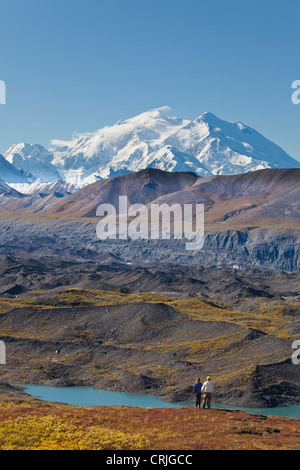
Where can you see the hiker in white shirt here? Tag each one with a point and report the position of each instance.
(207, 391)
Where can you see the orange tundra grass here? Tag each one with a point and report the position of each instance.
(30, 424)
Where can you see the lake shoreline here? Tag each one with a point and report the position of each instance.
(92, 396)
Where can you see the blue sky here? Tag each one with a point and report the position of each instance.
(78, 65)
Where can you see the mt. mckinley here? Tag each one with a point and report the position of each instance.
(206, 146)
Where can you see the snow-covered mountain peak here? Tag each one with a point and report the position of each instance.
(25, 151)
(33, 159)
(205, 145)
(146, 117)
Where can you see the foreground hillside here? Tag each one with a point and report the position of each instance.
(28, 424)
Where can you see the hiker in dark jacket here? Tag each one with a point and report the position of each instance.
(197, 391)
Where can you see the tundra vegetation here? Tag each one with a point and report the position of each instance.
(28, 424)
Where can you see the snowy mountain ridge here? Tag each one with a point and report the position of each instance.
(206, 146)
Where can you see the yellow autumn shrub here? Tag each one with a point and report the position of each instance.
(51, 433)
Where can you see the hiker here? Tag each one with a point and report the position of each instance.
(207, 391)
(197, 392)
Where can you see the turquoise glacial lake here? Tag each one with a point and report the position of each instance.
(89, 396)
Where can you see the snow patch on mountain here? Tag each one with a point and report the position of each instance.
(60, 186)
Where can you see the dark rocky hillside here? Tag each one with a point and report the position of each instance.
(251, 220)
(152, 329)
